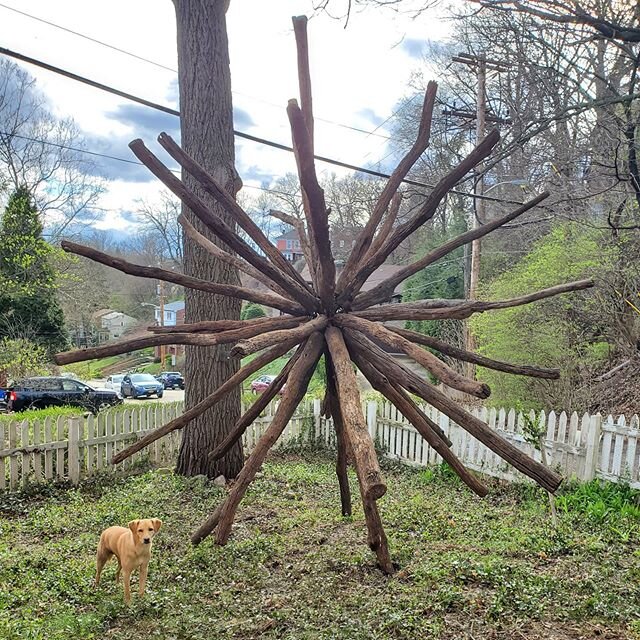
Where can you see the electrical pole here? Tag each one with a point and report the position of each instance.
(480, 64)
(161, 296)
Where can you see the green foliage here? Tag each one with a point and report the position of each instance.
(295, 568)
(252, 310)
(442, 279)
(28, 308)
(558, 332)
(21, 358)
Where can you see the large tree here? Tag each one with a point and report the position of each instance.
(28, 307)
(207, 136)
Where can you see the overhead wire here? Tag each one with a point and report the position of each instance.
(240, 134)
(175, 71)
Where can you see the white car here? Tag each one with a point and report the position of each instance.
(114, 383)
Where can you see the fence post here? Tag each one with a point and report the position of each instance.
(74, 450)
(317, 424)
(372, 418)
(593, 446)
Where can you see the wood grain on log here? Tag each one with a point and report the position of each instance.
(264, 340)
(294, 392)
(425, 311)
(318, 225)
(364, 454)
(468, 356)
(229, 258)
(426, 212)
(304, 74)
(235, 211)
(365, 242)
(215, 326)
(478, 429)
(342, 444)
(254, 411)
(431, 363)
(217, 225)
(266, 299)
(385, 289)
(423, 424)
(181, 421)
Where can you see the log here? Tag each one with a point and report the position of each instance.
(468, 356)
(181, 421)
(365, 241)
(423, 424)
(194, 339)
(218, 226)
(426, 212)
(266, 299)
(235, 211)
(247, 347)
(425, 311)
(385, 289)
(304, 73)
(318, 225)
(431, 363)
(298, 225)
(295, 390)
(546, 478)
(376, 537)
(254, 411)
(230, 259)
(387, 226)
(364, 454)
(214, 326)
(342, 446)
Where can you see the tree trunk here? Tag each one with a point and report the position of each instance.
(207, 136)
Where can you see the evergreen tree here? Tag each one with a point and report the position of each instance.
(28, 308)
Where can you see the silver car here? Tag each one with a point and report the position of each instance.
(114, 382)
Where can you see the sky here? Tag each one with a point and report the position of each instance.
(359, 76)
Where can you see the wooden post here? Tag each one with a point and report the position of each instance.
(593, 446)
(74, 450)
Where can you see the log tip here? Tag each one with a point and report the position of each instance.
(292, 104)
(484, 391)
(299, 20)
(137, 143)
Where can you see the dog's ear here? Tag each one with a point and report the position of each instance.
(133, 525)
(156, 524)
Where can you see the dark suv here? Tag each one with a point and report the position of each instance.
(171, 379)
(38, 393)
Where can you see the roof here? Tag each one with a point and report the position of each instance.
(100, 313)
(178, 305)
(383, 272)
(289, 235)
(112, 315)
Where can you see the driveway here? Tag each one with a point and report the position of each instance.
(170, 395)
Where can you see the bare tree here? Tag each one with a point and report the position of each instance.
(160, 218)
(40, 152)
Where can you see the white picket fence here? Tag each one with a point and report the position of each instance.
(580, 447)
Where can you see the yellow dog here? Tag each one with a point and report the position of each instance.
(131, 545)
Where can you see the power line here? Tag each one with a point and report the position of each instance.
(172, 70)
(239, 134)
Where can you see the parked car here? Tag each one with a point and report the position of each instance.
(114, 382)
(138, 385)
(171, 379)
(41, 392)
(262, 384)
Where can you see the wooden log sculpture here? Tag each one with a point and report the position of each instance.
(332, 317)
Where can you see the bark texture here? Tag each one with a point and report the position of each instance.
(207, 135)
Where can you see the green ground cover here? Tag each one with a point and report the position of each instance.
(295, 569)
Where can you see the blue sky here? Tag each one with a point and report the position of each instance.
(360, 75)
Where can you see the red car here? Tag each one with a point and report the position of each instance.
(263, 383)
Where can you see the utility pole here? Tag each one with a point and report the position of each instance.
(161, 296)
(480, 64)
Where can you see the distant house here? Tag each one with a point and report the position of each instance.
(112, 324)
(289, 245)
(173, 313)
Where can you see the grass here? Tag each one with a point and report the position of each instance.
(295, 569)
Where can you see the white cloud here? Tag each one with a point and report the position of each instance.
(359, 74)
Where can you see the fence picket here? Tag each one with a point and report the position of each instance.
(73, 448)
